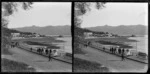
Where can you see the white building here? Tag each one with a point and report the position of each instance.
(109, 35)
(88, 34)
(15, 34)
(37, 35)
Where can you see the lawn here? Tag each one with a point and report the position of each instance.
(42, 40)
(112, 43)
(117, 39)
(13, 66)
(81, 65)
(42, 44)
(120, 41)
(5, 51)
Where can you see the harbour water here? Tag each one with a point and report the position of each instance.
(67, 45)
(142, 44)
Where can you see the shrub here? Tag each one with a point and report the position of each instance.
(69, 54)
(13, 66)
(142, 54)
(81, 65)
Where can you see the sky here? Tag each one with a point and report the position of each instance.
(115, 14)
(42, 14)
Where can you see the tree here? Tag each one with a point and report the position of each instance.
(8, 8)
(81, 8)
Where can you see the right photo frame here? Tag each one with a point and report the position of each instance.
(110, 37)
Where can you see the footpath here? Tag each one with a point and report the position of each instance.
(40, 63)
(60, 58)
(113, 62)
(97, 46)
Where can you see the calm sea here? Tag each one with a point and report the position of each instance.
(142, 44)
(67, 45)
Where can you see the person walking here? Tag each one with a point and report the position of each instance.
(119, 50)
(122, 55)
(31, 49)
(89, 43)
(112, 50)
(50, 55)
(39, 51)
(123, 51)
(42, 50)
(46, 51)
(104, 48)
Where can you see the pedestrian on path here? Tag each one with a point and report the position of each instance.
(123, 50)
(104, 48)
(31, 49)
(50, 55)
(89, 43)
(119, 50)
(46, 51)
(123, 57)
(39, 50)
(42, 50)
(112, 50)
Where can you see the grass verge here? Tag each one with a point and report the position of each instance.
(68, 56)
(81, 65)
(42, 44)
(112, 43)
(44, 39)
(13, 66)
(5, 51)
(78, 51)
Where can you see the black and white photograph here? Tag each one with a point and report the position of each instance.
(110, 37)
(36, 37)
(74, 36)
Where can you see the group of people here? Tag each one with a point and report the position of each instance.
(40, 50)
(14, 44)
(87, 44)
(120, 51)
(47, 52)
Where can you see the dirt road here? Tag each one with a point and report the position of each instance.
(111, 61)
(40, 63)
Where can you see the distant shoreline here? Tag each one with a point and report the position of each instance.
(59, 35)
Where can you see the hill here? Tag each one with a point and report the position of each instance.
(47, 30)
(122, 29)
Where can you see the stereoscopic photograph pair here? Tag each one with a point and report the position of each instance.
(74, 37)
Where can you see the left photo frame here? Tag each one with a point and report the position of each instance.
(36, 37)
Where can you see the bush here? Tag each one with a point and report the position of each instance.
(81, 65)
(13, 66)
(142, 54)
(69, 54)
(42, 44)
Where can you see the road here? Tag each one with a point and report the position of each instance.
(40, 63)
(113, 62)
